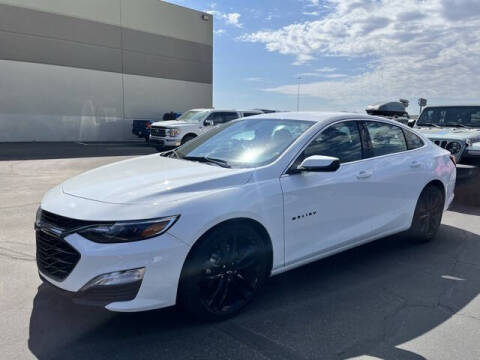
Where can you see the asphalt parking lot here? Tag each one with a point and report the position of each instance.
(388, 299)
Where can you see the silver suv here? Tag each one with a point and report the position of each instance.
(455, 128)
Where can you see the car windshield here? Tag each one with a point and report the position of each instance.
(245, 143)
(461, 116)
(193, 116)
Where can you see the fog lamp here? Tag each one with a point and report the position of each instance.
(115, 278)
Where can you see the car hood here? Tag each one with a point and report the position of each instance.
(175, 124)
(151, 179)
(449, 133)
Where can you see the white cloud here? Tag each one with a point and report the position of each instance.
(233, 19)
(253, 79)
(311, 13)
(323, 74)
(229, 18)
(326, 69)
(414, 48)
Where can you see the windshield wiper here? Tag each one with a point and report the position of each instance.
(428, 124)
(458, 125)
(206, 159)
(169, 154)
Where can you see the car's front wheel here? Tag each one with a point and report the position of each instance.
(224, 271)
(428, 214)
(187, 138)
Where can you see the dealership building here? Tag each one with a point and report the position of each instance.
(82, 70)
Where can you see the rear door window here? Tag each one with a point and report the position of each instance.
(385, 138)
(223, 117)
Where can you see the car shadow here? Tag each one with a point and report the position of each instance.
(467, 196)
(370, 300)
(67, 150)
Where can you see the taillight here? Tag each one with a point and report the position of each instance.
(453, 160)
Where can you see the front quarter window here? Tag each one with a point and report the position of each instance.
(245, 143)
(413, 141)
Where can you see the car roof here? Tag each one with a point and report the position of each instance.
(222, 110)
(449, 106)
(324, 117)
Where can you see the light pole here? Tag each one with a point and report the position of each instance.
(422, 103)
(298, 93)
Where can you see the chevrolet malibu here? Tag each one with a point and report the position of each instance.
(205, 225)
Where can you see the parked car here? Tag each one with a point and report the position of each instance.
(190, 125)
(208, 223)
(141, 128)
(455, 128)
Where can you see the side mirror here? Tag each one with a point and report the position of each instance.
(411, 123)
(319, 163)
(208, 123)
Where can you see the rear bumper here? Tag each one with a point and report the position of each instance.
(141, 133)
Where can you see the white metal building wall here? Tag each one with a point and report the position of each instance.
(81, 70)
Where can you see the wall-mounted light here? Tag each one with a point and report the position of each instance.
(205, 17)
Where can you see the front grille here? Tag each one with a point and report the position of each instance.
(441, 143)
(158, 131)
(64, 223)
(55, 257)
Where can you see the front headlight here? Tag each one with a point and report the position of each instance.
(174, 132)
(38, 216)
(127, 231)
(454, 147)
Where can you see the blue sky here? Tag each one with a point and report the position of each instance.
(349, 53)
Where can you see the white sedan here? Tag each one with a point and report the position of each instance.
(208, 223)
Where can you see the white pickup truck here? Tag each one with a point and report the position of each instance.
(191, 124)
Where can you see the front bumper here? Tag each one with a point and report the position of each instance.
(100, 296)
(162, 257)
(472, 152)
(167, 142)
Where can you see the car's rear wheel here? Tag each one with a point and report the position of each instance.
(428, 215)
(187, 138)
(224, 271)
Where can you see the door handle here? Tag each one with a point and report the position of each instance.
(415, 164)
(364, 174)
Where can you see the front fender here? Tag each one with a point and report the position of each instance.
(262, 202)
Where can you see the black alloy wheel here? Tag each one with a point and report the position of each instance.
(225, 271)
(428, 214)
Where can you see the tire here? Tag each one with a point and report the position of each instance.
(187, 138)
(224, 271)
(428, 215)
